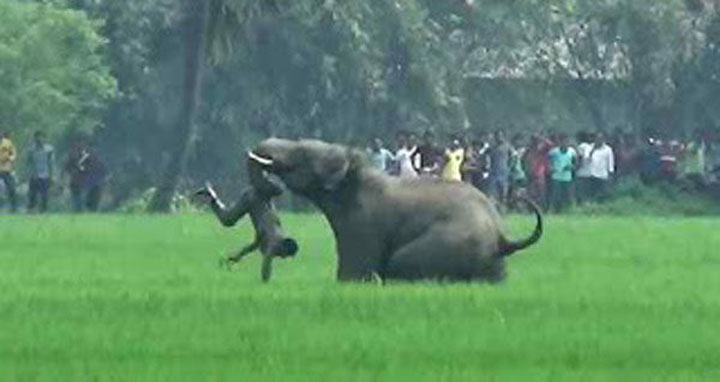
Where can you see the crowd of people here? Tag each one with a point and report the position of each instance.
(555, 170)
(83, 170)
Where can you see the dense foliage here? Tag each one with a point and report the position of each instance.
(53, 74)
(347, 70)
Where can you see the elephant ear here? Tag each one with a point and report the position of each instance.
(332, 168)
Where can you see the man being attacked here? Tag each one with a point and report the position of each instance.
(256, 201)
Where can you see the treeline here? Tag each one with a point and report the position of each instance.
(345, 71)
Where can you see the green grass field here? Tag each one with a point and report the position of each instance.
(136, 298)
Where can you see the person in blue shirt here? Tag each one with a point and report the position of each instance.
(380, 157)
(41, 158)
(562, 160)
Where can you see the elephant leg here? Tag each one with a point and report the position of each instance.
(442, 254)
(359, 259)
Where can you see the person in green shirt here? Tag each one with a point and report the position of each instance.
(562, 164)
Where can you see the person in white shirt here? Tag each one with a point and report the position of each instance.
(583, 174)
(404, 158)
(601, 167)
(380, 157)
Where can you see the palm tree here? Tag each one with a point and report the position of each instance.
(208, 23)
(195, 29)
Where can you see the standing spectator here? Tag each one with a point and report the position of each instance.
(380, 157)
(95, 181)
(470, 170)
(75, 168)
(714, 157)
(602, 165)
(693, 164)
(583, 175)
(669, 152)
(415, 158)
(518, 178)
(8, 155)
(625, 155)
(430, 155)
(454, 157)
(536, 159)
(482, 161)
(40, 163)
(649, 161)
(562, 163)
(404, 157)
(499, 178)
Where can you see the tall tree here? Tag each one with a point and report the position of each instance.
(195, 30)
(53, 73)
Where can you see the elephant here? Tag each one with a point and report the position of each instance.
(406, 229)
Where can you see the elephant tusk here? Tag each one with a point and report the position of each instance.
(259, 159)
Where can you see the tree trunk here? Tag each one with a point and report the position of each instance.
(585, 90)
(196, 20)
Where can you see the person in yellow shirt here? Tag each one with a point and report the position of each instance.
(454, 157)
(7, 165)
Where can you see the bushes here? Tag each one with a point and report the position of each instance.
(630, 196)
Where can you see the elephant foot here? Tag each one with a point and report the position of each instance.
(375, 278)
(369, 278)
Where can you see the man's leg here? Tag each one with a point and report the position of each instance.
(543, 191)
(505, 190)
(2, 177)
(76, 194)
(599, 187)
(532, 190)
(228, 217)
(603, 190)
(493, 190)
(44, 194)
(583, 190)
(564, 194)
(590, 190)
(9, 181)
(93, 198)
(554, 196)
(32, 194)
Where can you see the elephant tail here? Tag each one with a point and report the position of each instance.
(509, 247)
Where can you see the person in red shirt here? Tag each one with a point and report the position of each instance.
(538, 168)
(668, 160)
